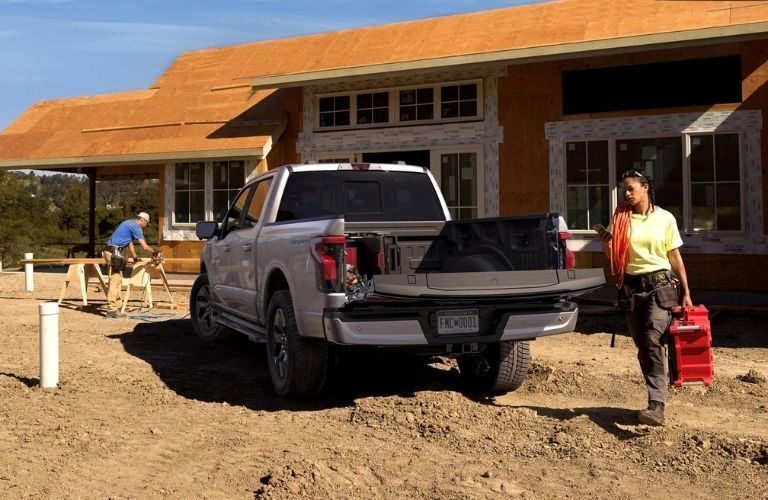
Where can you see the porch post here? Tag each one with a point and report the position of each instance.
(91, 173)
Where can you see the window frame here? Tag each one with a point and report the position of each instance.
(246, 191)
(686, 224)
(175, 190)
(267, 181)
(688, 182)
(208, 208)
(436, 168)
(229, 189)
(394, 105)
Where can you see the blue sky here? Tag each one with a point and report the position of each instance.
(53, 49)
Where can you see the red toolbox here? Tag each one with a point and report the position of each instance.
(690, 348)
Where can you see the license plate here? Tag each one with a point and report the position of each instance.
(460, 321)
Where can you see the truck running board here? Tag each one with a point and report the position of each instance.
(255, 333)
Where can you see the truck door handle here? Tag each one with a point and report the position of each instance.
(247, 248)
(225, 248)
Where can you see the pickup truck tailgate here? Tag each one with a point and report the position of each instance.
(525, 284)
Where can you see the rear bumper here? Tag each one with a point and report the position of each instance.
(418, 329)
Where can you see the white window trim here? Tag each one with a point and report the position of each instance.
(746, 123)
(394, 106)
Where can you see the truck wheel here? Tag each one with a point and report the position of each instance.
(201, 312)
(297, 366)
(501, 368)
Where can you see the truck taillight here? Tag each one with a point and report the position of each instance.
(570, 258)
(328, 252)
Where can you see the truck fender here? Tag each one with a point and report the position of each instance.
(275, 279)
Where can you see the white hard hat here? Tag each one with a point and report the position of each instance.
(145, 216)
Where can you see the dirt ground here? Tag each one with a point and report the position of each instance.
(145, 410)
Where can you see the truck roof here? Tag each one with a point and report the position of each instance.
(314, 167)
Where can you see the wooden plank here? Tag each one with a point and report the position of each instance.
(64, 261)
(94, 260)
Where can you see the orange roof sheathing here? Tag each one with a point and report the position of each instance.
(205, 102)
(539, 29)
(143, 126)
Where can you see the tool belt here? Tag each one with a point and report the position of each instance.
(116, 258)
(662, 284)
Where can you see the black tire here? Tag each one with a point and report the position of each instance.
(500, 369)
(201, 312)
(297, 366)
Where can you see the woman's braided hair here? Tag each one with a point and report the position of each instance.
(619, 253)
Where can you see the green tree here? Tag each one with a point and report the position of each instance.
(74, 211)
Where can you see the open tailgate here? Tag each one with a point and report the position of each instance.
(509, 284)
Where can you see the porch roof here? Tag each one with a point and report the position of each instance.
(143, 126)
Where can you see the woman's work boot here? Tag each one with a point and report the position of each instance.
(653, 415)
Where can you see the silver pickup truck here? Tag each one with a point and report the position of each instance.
(310, 258)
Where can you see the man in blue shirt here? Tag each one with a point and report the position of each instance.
(116, 259)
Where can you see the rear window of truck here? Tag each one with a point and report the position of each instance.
(360, 196)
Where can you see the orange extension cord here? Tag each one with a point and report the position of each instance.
(620, 242)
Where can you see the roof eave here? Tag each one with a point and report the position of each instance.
(93, 161)
(701, 36)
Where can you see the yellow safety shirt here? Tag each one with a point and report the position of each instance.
(652, 236)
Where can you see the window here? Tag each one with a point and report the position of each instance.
(334, 111)
(715, 186)
(663, 159)
(256, 204)
(203, 190)
(234, 214)
(458, 183)
(458, 101)
(704, 169)
(417, 104)
(360, 196)
(587, 184)
(189, 200)
(372, 108)
(228, 178)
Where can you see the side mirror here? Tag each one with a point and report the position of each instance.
(206, 230)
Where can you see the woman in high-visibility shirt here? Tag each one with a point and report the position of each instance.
(643, 244)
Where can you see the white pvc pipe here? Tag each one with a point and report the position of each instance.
(49, 345)
(29, 276)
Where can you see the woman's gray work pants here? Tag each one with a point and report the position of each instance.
(647, 323)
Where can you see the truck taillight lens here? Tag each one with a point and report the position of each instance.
(328, 252)
(570, 257)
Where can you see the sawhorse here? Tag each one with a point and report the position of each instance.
(141, 277)
(82, 273)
